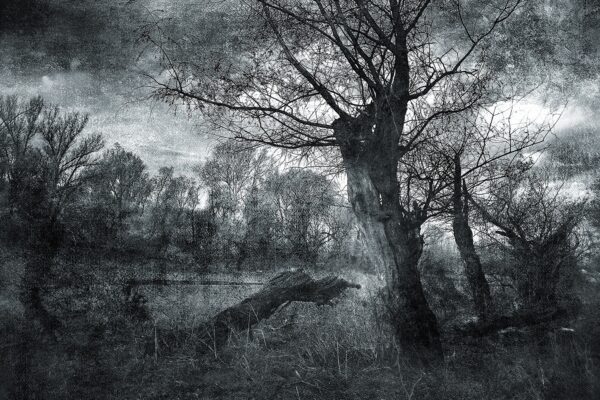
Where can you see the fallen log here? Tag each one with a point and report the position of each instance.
(284, 288)
(522, 319)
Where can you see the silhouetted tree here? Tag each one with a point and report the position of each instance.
(45, 178)
(119, 187)
(19, 124)
(231, 173)
(538, 226)
(172, 196)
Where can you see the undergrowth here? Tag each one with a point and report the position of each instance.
(304, 351)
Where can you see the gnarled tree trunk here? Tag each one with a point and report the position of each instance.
(394, 244)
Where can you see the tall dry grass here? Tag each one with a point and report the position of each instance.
(345, 351)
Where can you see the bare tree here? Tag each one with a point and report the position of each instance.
(67, 153)
(121, 185)
(229, 174)
(303, 201)
(233, 174)
(480, 146)
(538, 225)
(172, 198)
(19, 124)
(366, 77)
(64, 153)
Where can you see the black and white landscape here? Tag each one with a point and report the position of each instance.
(299, 199)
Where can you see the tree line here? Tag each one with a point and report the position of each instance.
(61, 183)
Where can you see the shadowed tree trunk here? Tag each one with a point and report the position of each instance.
(463, 236)
(392, 235)
(37, 274)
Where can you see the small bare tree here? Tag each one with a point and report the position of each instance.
(19, 124)
(67, 153)
(303, 201)
(232, 176)
(120, 185)
(537, 223)
(480, 146)
(172, 198)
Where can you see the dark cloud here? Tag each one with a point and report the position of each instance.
(24, 15)
(100, 34)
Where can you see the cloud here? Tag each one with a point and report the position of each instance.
(83, 56)
(150, 129)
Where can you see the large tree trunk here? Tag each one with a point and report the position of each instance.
(371, 146)
(394, 248)
(463, 236)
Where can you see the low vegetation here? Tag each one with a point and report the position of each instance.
(106, 349)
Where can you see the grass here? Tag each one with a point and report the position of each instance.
(302, 352)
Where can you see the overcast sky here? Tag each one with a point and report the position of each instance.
(83, 55)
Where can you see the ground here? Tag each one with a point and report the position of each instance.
(344, 351)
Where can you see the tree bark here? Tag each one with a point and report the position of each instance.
(463, 236)
(393, 242)
(372, 144)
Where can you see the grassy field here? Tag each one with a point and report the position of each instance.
(103, 351)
